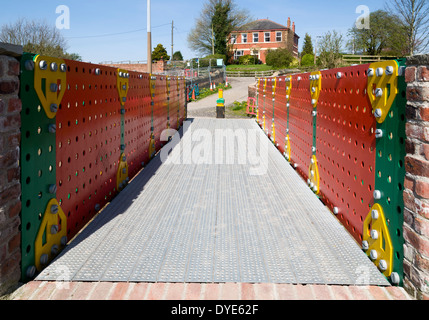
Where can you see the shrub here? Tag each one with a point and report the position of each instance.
(307, 60)
(280, 58)
(247, 60)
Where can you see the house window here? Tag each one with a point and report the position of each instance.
(233, 39)
(244, 38)
(238, 54)
(256, 37)
(267, 37)
(278, 36)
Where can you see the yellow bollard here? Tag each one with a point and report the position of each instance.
(220, 107)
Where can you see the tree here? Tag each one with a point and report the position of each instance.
(307, 60)
(280, 58)
(210, 23)
(330, 47)
(308, 46)
(160, 53)
(37, 37)
(177, 56)
(414, 15)
(386, 33)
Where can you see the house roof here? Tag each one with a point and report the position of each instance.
(263, 24)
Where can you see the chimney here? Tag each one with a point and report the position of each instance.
(288, 23)
(293, 27)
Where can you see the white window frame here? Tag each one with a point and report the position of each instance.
(233, 38)
(244, 38)
(255, 37)
(269, 36)
(238, 54)
(277, 36)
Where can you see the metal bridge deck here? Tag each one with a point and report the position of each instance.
(215, 223)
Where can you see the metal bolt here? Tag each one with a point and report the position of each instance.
(315, 189)
(314, 113)
(124, 170)
(44, 259)
(313, 149)
(308, 181)
(378, 134)
(29, 65)
(64, 241)
(43, 65)
(54, 108)
(336, 210)
(394, 277)
(63, 67)
(365, 245)
(311, 185)
(124, 99)
(124, 87)
(295, 165)
(379, 72)
(313, 102)
(389, 70)
(378, 92)
(370, 72)
(121, 74)
(52, 128)
(313, 89)
(299, 78)
(54, 67)
(124, 158)
(31, 272)
(374, 234)
(383, 265)
(339, 75)
(54, 229)
(378, 113)
(97, 71)
(53, 189)
(53, 87)
(375, 215)
(54, 250)
(373, 254)
(401, 71)
(54, 209)
(377, 194)
(97, 207)
(312, 173)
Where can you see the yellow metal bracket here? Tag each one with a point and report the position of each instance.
(377, 241)
(288, 87)
(50, 83)
(315, 87)
(52, 235)
(122, 84)
(152, 146)
(122, 174)
(314, 177)
(288, 149)
(382, 87)
(152, 86)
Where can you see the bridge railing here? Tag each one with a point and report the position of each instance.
(344, 132)
(86, 131)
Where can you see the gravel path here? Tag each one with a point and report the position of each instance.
(206, 108)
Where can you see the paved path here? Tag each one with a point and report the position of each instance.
(206, 108)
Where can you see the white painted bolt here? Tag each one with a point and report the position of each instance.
(311, 185)
(63, 67)
(54, 229)
(54, 108)
(308, 181)
(378, 113)
(378, 92)
(375, 215)
(383, 265)
(313, 89)
(44, 259)
(121, 74)
(43, 65)
(312, 161)
(314, 113)
(339, 75)
(370, 72)
(373, 254)
(336, 210)
(295, 165)
(313, 102)
(54, 67)
(379, 72)
(377, 194)
(315, 189)
(394, 277)
(53, 189)
(374, 234)
(312, 173)
(389, 70)
(313, 149)
(365, 245)
(31, 272)
(29, 65)
(378, 134)
(299, 78)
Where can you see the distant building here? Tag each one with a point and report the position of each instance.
(257, 37)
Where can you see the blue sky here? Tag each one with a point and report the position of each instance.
(112, 30)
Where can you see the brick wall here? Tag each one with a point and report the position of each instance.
(416, 195)
(157, 67)
(10, 187)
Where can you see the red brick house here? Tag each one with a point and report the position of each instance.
(257, 37)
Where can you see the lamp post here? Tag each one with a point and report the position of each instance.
(149, 40)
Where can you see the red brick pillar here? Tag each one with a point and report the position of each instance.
(416, 195)
(10, 186)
